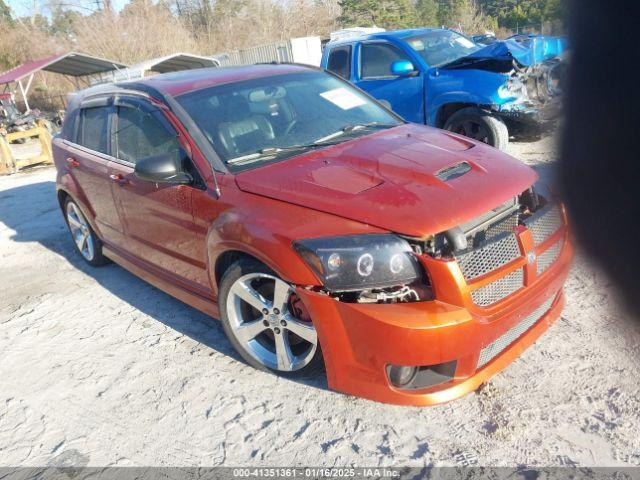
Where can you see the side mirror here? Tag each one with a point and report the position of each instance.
(161, 169)
(402, 68)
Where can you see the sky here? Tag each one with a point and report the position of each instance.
(23, 8)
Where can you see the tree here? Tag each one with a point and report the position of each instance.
(5, 13)
(518, 14)
(63, 22)
(427, 12)
(391, 14)
(465, 15)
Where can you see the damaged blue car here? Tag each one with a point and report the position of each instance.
(441, 78)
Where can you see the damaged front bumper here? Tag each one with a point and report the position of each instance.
(537, 92)
(541, 115)
(454, 342)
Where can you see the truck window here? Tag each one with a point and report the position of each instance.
(376, 59)
(340, 61)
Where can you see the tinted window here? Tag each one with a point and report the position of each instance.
(140, 134)
(376, 59)
(92, 133)
(340, 61)
(69, 126)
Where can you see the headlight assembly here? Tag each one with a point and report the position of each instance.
(513, 89)
(357, 262)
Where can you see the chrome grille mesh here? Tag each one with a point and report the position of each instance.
(501, 288)
(492, 350)
(498, 245)
(544, 223)
(546, 258)
(488, 257)
(505, 225)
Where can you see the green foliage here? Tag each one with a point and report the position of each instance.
(427, 13)
(63, 22)
(516, 14)
(450, 11)
(390, 14)
(5, 13)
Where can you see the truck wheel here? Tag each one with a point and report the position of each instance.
(266, 322)
(480, 125)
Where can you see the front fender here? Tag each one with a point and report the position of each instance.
(474, 87)
(266, 229)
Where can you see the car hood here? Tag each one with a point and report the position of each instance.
(499, 56)
(411, 179)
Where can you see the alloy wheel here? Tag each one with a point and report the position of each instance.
(80, 231)
(265, 321)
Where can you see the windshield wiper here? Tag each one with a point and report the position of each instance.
(349, 129)
(270, 152)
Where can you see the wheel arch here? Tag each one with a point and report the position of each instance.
(62, 197)
(225, 254)
(448, 109)
(227, 258)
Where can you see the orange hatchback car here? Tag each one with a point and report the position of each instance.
(326, 233)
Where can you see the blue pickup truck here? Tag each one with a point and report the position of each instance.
(441, 78)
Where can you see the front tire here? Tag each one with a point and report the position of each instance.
(85, 239)
(480, 125)
(266, 321)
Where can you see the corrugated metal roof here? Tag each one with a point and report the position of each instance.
(175, 63)
(72, 63)
(170, 63)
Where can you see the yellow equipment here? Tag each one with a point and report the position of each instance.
(16, 157)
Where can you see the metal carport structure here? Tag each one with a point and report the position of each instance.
(169, 63)
(70, 64)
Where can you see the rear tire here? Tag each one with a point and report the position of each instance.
(278, 341)
(480, 125)
(85, 239)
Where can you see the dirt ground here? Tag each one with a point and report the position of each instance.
(99, 368)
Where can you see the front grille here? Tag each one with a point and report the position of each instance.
(546, 258)
(496, 347)
(497, 246)
(499, 289)
(488, 257)
(505, 225)
(544, 223)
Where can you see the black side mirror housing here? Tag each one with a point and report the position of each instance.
(162, 169)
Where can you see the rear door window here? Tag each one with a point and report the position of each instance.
(139, 134)
(376, 59)
(92, 132)
(339, 61)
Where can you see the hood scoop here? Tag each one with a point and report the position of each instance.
(452, 172)
(411, 180)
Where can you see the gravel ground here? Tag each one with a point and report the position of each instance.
(99, 368)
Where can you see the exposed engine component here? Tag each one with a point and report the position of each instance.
(404, 294)
(543, 81)
(416, 292)
(479, 230)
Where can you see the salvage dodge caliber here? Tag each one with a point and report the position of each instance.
(411, 264)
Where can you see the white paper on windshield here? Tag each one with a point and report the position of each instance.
(343, 98)
(465, 42)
